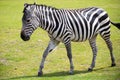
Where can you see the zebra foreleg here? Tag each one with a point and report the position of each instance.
(52, 44)
(69, 54)
(94, 50)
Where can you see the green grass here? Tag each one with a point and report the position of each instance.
(20, 60)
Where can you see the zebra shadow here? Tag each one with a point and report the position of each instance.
(48, 75)
(66, 73)
(56, 74)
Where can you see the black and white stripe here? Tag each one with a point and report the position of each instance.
(64, 25)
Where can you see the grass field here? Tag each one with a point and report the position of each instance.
(20, 60)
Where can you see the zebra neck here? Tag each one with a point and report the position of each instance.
(47, 20)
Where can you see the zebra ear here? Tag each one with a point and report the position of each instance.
(26, 4)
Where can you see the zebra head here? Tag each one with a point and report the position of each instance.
(30, 21)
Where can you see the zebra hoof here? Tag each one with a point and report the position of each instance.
(40, 73)
(90, 70)
(112, 65)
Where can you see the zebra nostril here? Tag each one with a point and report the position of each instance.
(24, 37)
(27, 38)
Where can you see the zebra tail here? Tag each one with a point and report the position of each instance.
(116, 24)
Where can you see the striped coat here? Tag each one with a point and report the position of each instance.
(64, 25)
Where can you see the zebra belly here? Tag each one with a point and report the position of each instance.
(78, 40)
(78, 35)
(82, 38)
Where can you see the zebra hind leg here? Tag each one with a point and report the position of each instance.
(94, 50)
(109, 45)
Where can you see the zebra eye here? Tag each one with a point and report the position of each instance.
(28, 20)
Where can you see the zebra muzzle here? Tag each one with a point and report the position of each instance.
(24, 36)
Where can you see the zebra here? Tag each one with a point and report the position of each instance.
(66, 25)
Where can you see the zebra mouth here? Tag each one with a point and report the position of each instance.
(25, 37)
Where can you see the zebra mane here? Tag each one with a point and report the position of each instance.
(41, 5)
